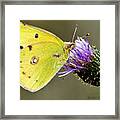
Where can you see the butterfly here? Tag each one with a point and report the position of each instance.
(42, 54)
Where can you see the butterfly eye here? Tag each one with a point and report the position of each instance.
(34, 60)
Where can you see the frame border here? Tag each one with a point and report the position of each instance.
(66, 2)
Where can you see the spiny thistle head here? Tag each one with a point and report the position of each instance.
(84, 60)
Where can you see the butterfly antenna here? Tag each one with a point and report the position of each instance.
(73, 37)
(86, 36)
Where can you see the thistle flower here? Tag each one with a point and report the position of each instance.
(84, 60)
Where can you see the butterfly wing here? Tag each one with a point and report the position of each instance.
(40, 59)
(30, 35)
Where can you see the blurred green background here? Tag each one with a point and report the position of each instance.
(68, 87)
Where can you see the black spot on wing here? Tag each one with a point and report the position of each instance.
(21, 47)
(29, 76)
(30, 47)
(23, 73)
(36, 80)
(56, 55)
(36, 35)
(34, 60)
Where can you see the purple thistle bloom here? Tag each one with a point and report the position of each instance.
(79, 57)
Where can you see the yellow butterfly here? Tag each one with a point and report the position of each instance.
(42, 54)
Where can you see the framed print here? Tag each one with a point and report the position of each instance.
(59, 59)
(63, 92)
